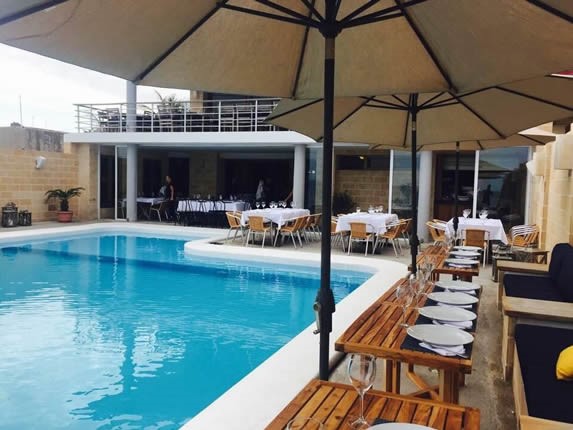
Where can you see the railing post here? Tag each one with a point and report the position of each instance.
(219, 108)
(78, 118)
(256, 113)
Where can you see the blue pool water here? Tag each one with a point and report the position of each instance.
(125, 332)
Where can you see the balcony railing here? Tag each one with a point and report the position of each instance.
(194, 116)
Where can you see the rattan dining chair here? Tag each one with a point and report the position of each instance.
(258, 225)
(234, 220)
(359, 233)
(337, 236)
(158, 208)
(292, 228)
(392, 234)
(437, 231)
(479, 238)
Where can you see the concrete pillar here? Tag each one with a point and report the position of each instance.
(131, 100)
(298, 175)
(131, 179)
(424, 193)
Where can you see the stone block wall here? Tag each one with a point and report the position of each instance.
(551, 204)
(203, 172)
(366, 187)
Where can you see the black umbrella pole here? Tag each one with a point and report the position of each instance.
(414, 237)
(325, 297)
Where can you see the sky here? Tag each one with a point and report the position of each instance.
(49, 88)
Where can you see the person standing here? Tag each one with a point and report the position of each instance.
(169, 195)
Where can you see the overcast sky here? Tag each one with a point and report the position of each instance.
(49, 89)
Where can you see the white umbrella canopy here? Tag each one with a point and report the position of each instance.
(384, 47)
(492, 113)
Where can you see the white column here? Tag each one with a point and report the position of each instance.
(298, 175)
(390, 181)
(131, 179)
(424, 193)
(476, 179)
(131, 100)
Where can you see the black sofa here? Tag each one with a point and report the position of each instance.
(538, 348)
(556, 286)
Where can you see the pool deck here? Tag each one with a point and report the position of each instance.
(259, 396)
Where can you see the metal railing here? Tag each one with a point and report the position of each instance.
(193, 116)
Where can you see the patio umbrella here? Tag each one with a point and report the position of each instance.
(438, 120)
(287, 49)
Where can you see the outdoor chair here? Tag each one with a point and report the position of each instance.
(523, 236)
(337, 236)
(393, 234)
(406, 224)
(314, 227)
(437, 231)
(292, 228)
(359, 233)
(257, 225)
(234, 220)
(479, 238)
(159, 208)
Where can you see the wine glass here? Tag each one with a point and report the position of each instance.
(258, 204)
(357, 209)
(361, 372)
(404, 295)
(263, 205)
(293, 204)
(466, 213)
(483, 214)
(306, 423)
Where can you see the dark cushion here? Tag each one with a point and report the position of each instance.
(559, 253)
(531, 287)
(564, 280)
(538, 348)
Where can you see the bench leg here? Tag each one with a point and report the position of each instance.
(507, 346)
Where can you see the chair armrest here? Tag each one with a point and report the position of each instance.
(544, 310)
(521, 267)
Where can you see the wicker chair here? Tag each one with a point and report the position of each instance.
(257, 225)
(234, 220)
(393, 234)
(437, 231)
(292, 228)
(359, 233)
(479, 238)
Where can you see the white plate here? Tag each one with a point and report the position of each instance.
(458, 285)
(462, 261)
(399, 426)
(447, 313)
(440, 335)
(453, 298)
(468, 248)
(465, 254)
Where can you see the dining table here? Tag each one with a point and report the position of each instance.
(492, 225)
(278, 216)
(438, 255)
(375, 222)
(192, 205)
(144, 204)
(337, 405)
(378, 331)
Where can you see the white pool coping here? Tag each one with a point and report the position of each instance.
(258, 397)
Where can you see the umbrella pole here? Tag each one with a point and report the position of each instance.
(456, 221)
(414, 236)
(324, 304)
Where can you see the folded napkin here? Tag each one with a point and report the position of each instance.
(447, 351)
(460, 266)
(455, 306)
(456, 324)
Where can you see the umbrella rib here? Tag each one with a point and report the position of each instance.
(350, 114)
(287, 11)
(481, 147)
(479, 116)
(431, 99)
(30, 11)
(352, 18)
(551, 10)
(540, 100)
(371, 20)
(306, 22)
(372, 102)
(404, 103)
(302, 51)
(288, 112)
(358, 11)
(179, 42)
(537, 142)
(426, 46)
(312, 9)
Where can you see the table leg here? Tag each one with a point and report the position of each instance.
(392, 376)
(449, 386)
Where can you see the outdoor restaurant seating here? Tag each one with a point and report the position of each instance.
(437, 231)
(556, 285)
(392, 234)
(477, 237)
(523, 236)
(258, 225)
(234, 221)
(159, 208)
(292, 228)
(337, 236)
(541, 400)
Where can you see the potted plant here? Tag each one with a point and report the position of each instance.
(64, 214)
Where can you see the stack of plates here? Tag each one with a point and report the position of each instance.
(465, 254)
(447, 341)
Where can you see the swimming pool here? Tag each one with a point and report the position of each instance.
(115, 331)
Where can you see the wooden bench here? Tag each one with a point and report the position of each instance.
(504, 267)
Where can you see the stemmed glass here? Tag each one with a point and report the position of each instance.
(404, 294)
(483, 214)
(357, 209)
(466, 213)
(258, 204)
(263, 205)
(361, 372)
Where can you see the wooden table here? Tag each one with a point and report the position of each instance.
(337, 405)
(378, 332)
(437, 255)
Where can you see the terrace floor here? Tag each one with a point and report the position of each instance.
(484, 389)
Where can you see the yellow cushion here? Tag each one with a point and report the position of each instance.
(564, 369)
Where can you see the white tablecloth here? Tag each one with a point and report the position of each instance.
(148, 200)
(277, 215)
(375, 223)
(494, 226)
(208, 206)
